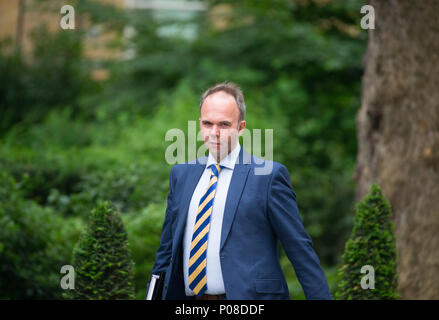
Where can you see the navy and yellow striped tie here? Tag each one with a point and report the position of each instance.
(198, 254)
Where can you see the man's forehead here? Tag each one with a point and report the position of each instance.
(220, 98)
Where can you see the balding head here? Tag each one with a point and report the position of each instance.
(220, 122)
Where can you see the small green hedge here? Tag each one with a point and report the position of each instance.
(102, 260)
(372, 243)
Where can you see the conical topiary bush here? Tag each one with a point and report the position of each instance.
(101, 259)
(372, 243)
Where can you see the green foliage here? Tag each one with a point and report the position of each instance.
(372, 242)
(71, 176)
(35, 243)
(54, 76)
(101, 258)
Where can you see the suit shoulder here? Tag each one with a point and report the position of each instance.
(182, 167)
(177, 168)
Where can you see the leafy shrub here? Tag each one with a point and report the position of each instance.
(55, 75)
(372, 242)
(35, 243)
(101, 258)
(128, 188)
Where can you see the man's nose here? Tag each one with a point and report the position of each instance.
(215, 130)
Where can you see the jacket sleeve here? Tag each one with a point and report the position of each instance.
(164, 252)
(286, 222)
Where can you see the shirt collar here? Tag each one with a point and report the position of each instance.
(228, 161)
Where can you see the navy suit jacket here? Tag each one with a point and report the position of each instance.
(260, 211)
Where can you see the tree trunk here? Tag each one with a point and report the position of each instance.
(398, 134)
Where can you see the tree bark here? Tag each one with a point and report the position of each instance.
(398, 134)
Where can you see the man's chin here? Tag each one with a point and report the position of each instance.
(217, 153)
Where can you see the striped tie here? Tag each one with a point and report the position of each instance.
(198, 257)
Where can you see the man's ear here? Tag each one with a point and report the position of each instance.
(242, 125)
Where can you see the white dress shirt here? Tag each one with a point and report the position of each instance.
(215, 283)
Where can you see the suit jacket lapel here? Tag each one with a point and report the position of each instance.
(195, 170)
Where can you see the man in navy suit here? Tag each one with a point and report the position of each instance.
(224, 219)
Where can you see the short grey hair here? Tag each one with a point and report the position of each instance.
(233, 90)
